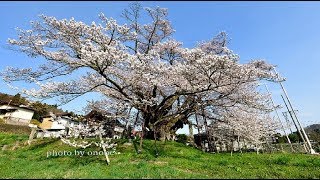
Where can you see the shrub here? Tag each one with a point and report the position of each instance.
(182, 138)
(223, 162)
(35, 122)
(283, 160)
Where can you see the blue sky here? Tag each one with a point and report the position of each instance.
(286, 34)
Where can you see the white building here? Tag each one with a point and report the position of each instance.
(18, 115)
(118, 130)
(54, 126)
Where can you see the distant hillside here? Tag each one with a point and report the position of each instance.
(13, 100)
(313, 132)
(313, 127)
(41, 109)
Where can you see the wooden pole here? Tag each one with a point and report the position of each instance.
(104, 148)
(33, 132)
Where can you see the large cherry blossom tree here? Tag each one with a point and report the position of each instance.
(140, 67)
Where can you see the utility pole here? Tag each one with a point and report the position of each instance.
(311, 150)
(285, 115)
(295, 124)
(274, 108)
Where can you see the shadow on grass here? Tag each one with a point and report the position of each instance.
(149, 149)
(42, 144)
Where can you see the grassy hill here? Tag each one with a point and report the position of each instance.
(175, 161)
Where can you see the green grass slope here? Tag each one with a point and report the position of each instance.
(175, 161)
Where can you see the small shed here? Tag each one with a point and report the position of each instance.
(17, 115)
